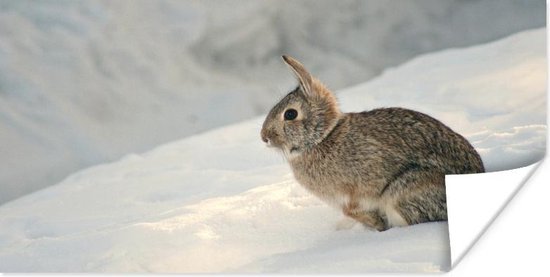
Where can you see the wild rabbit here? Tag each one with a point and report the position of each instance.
(384, 168)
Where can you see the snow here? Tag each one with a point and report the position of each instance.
(221, 201)
(86, 82)
(180, 208)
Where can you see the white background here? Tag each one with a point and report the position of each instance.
(516, 243)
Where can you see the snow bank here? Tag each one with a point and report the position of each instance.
(85, 82)
(222, 202)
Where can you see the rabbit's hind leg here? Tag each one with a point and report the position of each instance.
(370, 219)
(419, 196)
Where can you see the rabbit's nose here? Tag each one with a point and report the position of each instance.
(264, 137)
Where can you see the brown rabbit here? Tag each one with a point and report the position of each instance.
(384, 167)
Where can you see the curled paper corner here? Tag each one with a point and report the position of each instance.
(475, 200)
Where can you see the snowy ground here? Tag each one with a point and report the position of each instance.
(86, 82)
(222, 202)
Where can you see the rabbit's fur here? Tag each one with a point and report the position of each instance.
(384, 167)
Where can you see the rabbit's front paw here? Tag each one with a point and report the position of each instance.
(345, 223)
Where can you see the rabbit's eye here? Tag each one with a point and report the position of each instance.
(291, 114)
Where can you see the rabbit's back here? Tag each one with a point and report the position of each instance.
(412, 138)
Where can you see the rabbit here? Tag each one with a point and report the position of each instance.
(383, 168)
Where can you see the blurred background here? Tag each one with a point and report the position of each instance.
(86, 82)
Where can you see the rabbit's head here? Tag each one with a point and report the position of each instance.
(304, 117)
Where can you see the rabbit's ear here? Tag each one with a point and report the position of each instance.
(303, 75)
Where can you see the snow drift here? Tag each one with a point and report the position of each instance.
(221, 202)
(85, 82)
